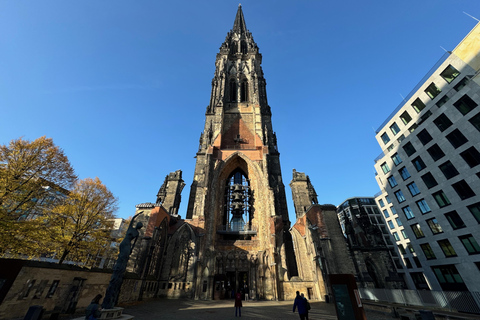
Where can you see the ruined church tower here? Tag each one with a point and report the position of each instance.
(237, 200)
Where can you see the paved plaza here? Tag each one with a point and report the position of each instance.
(223, 309)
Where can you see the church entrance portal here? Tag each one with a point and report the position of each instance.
(226, 285)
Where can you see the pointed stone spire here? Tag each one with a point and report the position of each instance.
(239, 25)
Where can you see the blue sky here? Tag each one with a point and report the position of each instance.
(122, 86)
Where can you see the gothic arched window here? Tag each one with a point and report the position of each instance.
(238, 199)
(243, 47)
(244, 91)
(233, 90)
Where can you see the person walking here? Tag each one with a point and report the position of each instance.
(307, 306)
(238, 304)
(301, 304)
(93, 310)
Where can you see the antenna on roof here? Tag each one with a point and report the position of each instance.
(471, 16)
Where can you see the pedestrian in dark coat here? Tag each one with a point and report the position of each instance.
(301, 304)
(238, 304)
(93, 310)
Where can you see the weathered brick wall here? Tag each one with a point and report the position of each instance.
(32, 284)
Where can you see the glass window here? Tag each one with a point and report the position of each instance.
(393, 210)
(448, 170)
(449, 74)
(382, 204)
(390, 147)
(427, 251)
(475, 121)
(395, 129)
(405, 236)
(387, 198)
(441, 199)
(454, 219)
(409, 148)
(463, 190)
(417, 231)
(413, 127)
(404, 173)
(390, 224)
(429, 180)
(418, 164)
(456, 138)
(470, 244)
(396, 159)
(385, 138)
(388, 241)
(408, 264)
(401, 248)
(418, 105)
(465, 104)
(392, 182)
(448, 274)
(395, 235)
(399, 223)
(447, 248)
(423, 206)
(424, 137)
(405, 118)
(435, 152)
(384, 230)
(399, 195)
(385, 213)
(475, 210)
(408, 213)
(385, 167)
(471, 157)
(410, 248)
(434, 226)
(432, 91)
(401, 138)
(462, 83)
(413, 189)
(442, 122)
(442, 101)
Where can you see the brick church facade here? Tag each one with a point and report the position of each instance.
(236, 235)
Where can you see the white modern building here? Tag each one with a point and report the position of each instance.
(430, 169)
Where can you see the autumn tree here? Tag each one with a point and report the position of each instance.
(80, 225)
(31, 174)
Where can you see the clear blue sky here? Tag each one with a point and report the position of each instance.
(122, 86)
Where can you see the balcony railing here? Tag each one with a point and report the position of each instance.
(229, 229)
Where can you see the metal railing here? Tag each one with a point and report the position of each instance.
(461, 301)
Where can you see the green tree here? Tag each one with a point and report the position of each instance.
(31, 173)
(79, 227)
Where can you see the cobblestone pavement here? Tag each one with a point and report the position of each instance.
(195, 309)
